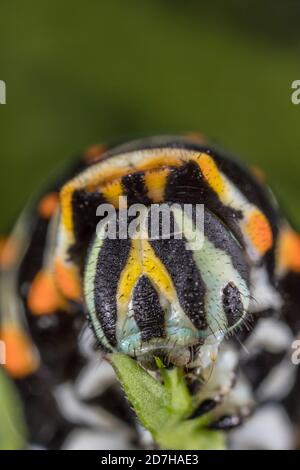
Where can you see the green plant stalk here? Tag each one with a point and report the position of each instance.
(12, 426)
(164, 408)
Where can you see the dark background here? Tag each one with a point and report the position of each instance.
(82, 72)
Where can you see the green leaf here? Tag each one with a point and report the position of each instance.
(190, 435)
(149, 398)
(12, 427)
(180, 401)
(163, 408)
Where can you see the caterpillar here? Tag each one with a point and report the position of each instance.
(227, 310)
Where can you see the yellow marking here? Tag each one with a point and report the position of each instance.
(106, 176)
(211, 173)
(156, 271)
(288, 252)
(129, 275)
(155, 182)
(259, 231)
(142, 260)
(112, 192)
(66, 205)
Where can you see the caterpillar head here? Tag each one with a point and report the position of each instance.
(165, 292)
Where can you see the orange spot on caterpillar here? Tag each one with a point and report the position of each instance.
(8, 252)
(94, 153)
(68, 280)
(44, 297)
(48, 205)
(289, 250)
(197, 136)
(20, 356)
(259, 231)
(258, 174)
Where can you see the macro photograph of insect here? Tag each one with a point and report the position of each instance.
(149, 228)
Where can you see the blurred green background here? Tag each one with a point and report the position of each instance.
(79, 73)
